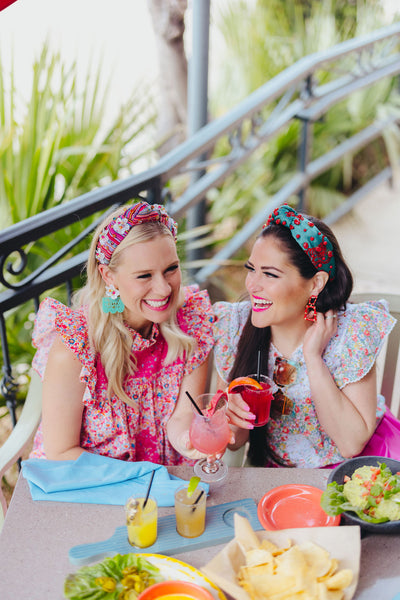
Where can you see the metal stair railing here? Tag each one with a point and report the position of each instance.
(294, 94)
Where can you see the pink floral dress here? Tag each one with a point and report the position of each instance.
(111, 427)
(298, 438)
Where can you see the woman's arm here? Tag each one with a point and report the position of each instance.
(179, 423)
(348, 416)
(62, 404)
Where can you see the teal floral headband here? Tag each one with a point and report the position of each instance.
(310, 239)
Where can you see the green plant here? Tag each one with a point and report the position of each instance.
(55, 146)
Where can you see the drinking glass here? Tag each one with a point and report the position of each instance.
(210, 433)
(190, 511)
(259, 401)
(141, 522)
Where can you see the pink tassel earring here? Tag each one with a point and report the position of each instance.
(310, 313)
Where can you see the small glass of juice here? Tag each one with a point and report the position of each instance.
(190, 511)
(141, 521)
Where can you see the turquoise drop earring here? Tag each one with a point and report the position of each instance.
(111, 302)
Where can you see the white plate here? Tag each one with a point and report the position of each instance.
(172, 568)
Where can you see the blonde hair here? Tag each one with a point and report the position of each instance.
(108, 335)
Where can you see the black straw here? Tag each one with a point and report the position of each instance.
(194, 404)
(258, 365)
(148, 489)
(197, 500)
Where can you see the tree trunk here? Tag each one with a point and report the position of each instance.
(168, 17)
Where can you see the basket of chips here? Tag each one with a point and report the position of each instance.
(314, 563)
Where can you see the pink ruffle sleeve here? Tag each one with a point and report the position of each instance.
(54, 318)
(196, 318)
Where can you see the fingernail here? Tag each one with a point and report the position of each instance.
(250, 426)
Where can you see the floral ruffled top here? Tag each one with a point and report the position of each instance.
(111, 427)
(297, 438)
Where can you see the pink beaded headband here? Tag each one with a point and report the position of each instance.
(113, 233)
(310, 239)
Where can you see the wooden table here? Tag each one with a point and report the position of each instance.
(37, 536)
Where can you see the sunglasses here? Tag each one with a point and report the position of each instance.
(284, 375)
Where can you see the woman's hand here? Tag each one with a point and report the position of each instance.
(238, 412)
(185, 447)
(318, 335)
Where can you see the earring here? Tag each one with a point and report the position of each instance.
(111, 302)
(310, 314)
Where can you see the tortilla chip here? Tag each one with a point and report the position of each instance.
(244, 533)
(339, 580)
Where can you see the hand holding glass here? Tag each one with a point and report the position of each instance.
(259, 400)
(210, 433)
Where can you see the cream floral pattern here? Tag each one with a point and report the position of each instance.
(298, 437)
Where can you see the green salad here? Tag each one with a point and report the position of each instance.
(373, 493)
(121, 577)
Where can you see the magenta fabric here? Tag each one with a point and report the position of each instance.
(111, 427)
(386, 439)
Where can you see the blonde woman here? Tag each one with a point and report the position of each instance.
(116, 366)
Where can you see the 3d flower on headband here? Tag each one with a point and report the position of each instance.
(310, 239)
(113, 233)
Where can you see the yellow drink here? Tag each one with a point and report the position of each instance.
(141, 522)
(190, 512)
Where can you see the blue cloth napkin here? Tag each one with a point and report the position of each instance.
(96, 479)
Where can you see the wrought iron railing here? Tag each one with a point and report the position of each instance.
(294, 94)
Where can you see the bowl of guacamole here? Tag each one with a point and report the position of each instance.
(366, 491)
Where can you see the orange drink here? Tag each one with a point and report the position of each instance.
(190, 511)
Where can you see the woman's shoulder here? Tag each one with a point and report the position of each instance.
(369, 317)
(70, 324)
(361, 332)
(56, 319)
(196, 307)
(231, 316)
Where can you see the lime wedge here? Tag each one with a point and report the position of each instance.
(193, 483)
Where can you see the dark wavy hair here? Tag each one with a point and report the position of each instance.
(333, 297)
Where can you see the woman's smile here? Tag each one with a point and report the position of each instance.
(158, 305)
(260, 304)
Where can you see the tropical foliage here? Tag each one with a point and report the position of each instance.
(261, 39)
(57, 145)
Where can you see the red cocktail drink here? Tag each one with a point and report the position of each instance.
(259, 400)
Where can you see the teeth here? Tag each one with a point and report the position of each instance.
(262, 303)
(157, 303)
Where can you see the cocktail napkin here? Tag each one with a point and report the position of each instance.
(96, 479)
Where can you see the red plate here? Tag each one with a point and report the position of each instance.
(291, 506)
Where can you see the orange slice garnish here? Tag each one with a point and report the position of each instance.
(241, 382)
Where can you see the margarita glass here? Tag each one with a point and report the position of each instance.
(210, 433)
